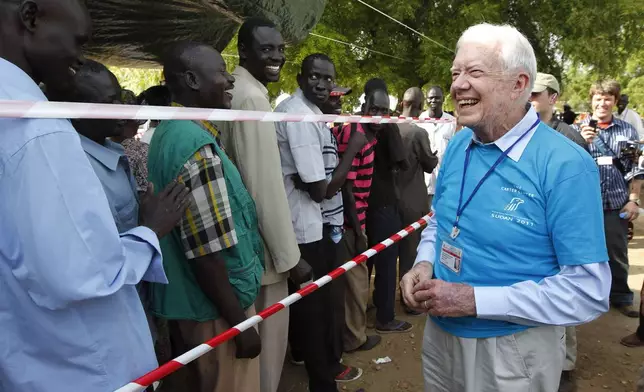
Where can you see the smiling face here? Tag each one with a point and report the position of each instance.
(215, 81)
(265, 57)
(483, 92)
(54, 34)
(317, 81)
(602, 105)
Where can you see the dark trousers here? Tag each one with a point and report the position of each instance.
(408, 245)
(640, 328)
(616, 230)
(317, 321)
(381, 224)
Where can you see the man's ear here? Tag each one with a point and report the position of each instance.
(522, 84)
(192, 80)
(553, 98)
(28, 12)
(241, 51)
(300, 80)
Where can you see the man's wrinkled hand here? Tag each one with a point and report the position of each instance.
(301, 273)
(440, 298)
(162, 212)
(421, 272)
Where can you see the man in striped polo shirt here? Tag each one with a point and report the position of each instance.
(620, 184)
(356, 192)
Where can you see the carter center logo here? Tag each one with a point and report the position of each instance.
(514, 204)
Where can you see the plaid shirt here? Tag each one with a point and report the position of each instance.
(208, 225)
(614, 184)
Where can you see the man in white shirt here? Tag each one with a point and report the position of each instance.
(301, 146)
(629, 115)
(439, 134)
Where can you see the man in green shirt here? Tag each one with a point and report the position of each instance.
(214, 258)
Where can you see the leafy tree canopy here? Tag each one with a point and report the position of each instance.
(579, 41)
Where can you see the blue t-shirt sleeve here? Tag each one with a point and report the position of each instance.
(576, 219)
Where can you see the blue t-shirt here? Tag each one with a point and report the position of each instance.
(533, 214)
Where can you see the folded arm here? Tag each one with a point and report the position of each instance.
(74, 251)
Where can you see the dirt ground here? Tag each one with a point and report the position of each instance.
(602, 363)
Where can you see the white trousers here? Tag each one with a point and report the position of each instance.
(528, 361)
(571, 348)
(274, 335)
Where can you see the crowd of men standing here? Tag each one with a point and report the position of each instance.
(115, 245)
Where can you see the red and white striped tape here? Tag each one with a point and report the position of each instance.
(44, 109)
(157, 374)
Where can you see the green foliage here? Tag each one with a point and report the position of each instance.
(137, 79)
(579, 41)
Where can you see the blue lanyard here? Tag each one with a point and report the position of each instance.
(461, 206)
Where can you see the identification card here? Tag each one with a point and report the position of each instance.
(605, 160)
(451, 257)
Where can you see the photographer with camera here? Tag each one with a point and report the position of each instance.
(613, 144)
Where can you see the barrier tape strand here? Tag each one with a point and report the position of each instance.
(172, 366)
(72, 110)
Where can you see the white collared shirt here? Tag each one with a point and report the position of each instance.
(631, 117)
(301, 152)
(439, 136)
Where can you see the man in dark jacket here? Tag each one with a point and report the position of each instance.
(414, 201)
(544, 96)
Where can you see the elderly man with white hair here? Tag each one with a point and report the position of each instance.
(515, 250)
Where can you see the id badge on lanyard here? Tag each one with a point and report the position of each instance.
(451, 256)
(462, 206)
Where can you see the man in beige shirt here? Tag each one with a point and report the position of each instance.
(252, 146)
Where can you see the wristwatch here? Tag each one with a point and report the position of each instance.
(636, 201)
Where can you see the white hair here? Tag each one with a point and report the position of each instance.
(515, 49)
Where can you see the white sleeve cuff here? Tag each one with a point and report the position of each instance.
(491, 302)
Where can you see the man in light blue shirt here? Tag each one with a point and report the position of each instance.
(70, 315)
(516, 247)
(94, 83)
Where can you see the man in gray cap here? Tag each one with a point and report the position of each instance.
(543, 98)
